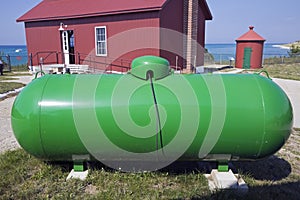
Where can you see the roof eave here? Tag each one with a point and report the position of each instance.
(249, 40)
(208, 15)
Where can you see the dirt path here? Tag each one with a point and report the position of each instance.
(7, 138)
(292, 89)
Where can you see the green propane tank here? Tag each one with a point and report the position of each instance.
(151, 114)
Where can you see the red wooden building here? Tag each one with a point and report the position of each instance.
(249, 50)
(110, 33)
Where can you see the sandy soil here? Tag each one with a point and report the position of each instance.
(292, 89)
(7, 138)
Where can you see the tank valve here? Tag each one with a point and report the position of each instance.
(158, 67)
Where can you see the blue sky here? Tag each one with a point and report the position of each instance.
(13, 33)
(275, 20)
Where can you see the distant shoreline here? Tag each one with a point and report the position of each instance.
(227, 43)
(289, 46)
(282, 46)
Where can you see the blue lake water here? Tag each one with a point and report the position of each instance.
(225, 51)
(18, 53)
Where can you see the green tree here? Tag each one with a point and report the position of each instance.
(295, 50)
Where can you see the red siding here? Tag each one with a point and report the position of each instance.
(124, 36)
(256, 56)
(171, 34)
(129, 35)
(41, 37)
(201, 36)
(251, 40)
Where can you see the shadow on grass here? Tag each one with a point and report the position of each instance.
(270, 169)
(286, 191)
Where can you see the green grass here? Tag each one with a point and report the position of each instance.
(24, 177)
(9, 86)
(19, 68)
(7, 78)
(285, 71)
(281, 60)
(297, 129)
(16, 73)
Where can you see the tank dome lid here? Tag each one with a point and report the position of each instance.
(157, 66)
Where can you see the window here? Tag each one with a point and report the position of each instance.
(101, 41)
(72, 42)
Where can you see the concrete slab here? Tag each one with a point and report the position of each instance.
(292, 89)
(231, 71)
(78, 175)
(225, 180)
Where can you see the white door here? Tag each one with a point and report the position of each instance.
(65, 41)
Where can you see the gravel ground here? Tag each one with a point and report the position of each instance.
(292, 89)
(7, 138)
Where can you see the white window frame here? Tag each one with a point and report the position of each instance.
(97, 42)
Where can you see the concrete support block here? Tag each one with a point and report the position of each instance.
(225, 180)
(78, 174)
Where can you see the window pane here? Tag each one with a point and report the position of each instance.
(101, 41)
(102, 37)
(102, 31)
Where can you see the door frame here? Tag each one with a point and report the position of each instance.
(68, 47)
